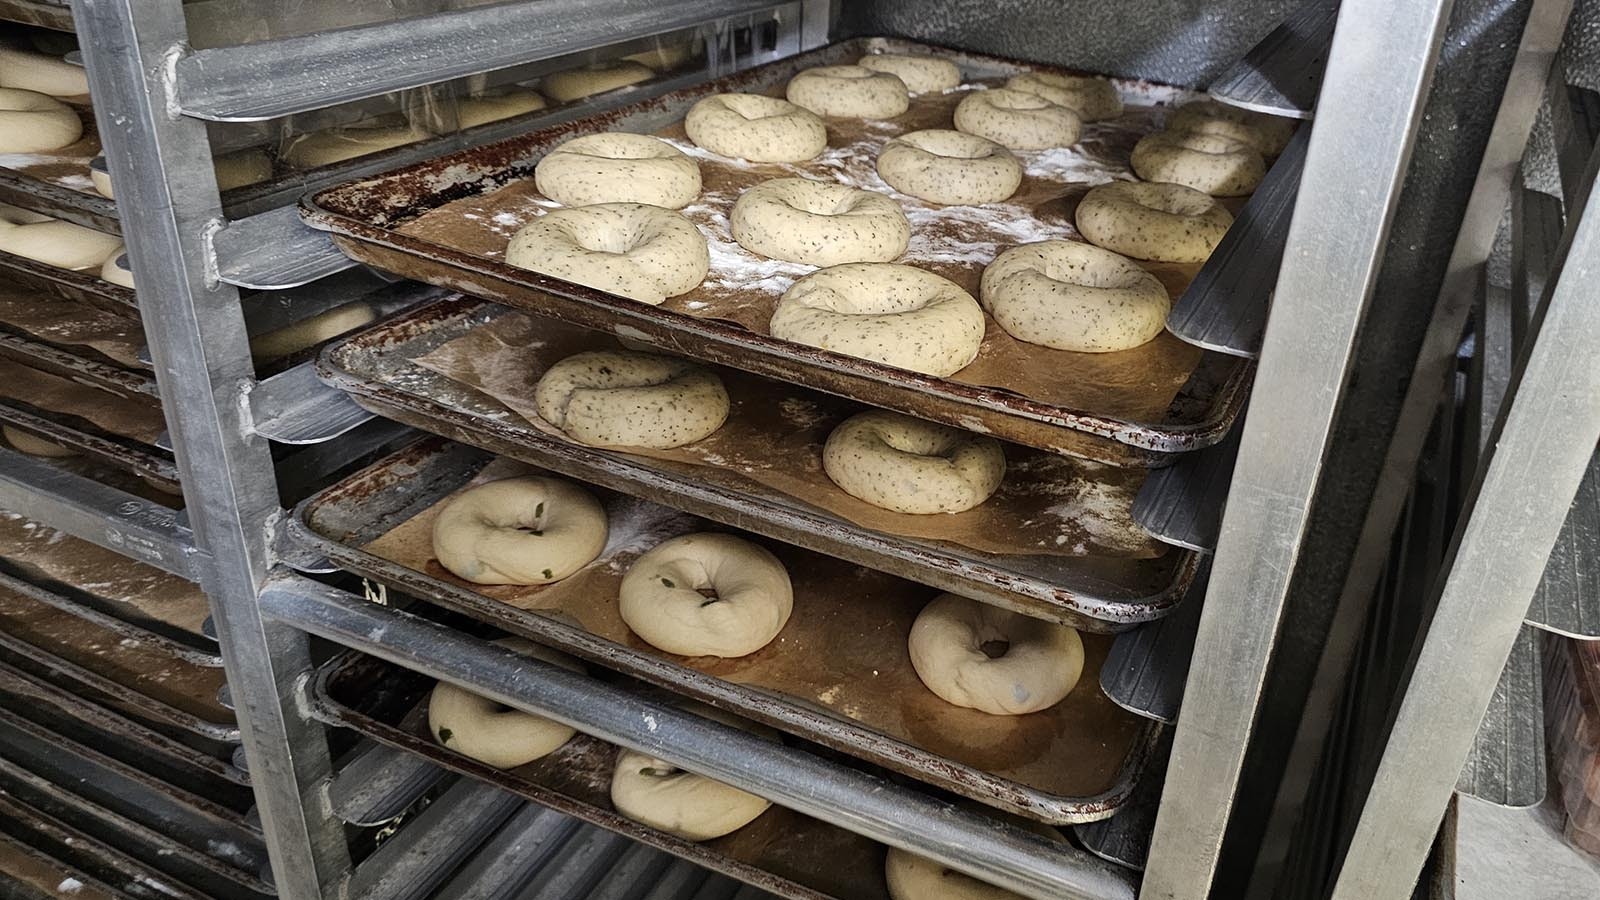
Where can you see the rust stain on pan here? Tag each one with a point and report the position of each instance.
(122, 453)
(81, 287)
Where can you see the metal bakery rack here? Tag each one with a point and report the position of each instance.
(266, 738)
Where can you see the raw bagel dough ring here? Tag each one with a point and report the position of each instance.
(696, 808)
(297, 336)
(492, 107)
(490, 732)
(100, 176)
(1091, 98)
(575, 84)
(52, 241)
(31, 122)
(819, 223)
(949, 167)
(115, 273)
(1268, 134)
(1018, 119)
(324, 148)
(896, 315)
(613, 398)
(1039, 666)
(1073, 296)
(1163, 222)
(921, 72)
(241, 167)
(913, 877)
(664, 57)
(757, 128)
(1219, 166)
(642, 252)
(853, 92)
(618, 168)
(660, 596)
(907, 465)
(526, 530)
(45, 74)
(32, 445)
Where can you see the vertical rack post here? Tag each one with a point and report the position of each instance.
(169, 204)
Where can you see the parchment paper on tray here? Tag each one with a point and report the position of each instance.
(953, 241)
(843, 651)
(67, 167)
(1048, 504)
(68, 324)
(30, 387)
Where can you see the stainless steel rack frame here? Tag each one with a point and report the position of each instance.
(153, 95)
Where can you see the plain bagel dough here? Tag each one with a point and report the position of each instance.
(949, 167)
(896, 315)
(1219, 166)
(45, 74)
(1018, 119)
(52, 241)
(819, 223)
(853, 92)
(909, 465)
(575, 84)
(527, 530)
(618, 168)
(486, 730)
(31, 122)
(1268, 134)
(752, 598)
(100, 177)
(757, 128)
(920, 72)
(1073, 296)
(696, 808)
(1162, 222)
(1091, 98)
(305, 333)
(642, 252)
(114, 273)
(1037, 665)
(233, 170)
(620, 398)
(913, 877)
(497, 105)
(23, 442)
(324, 148)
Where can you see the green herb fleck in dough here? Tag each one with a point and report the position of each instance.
(668, 582)
(445, 735)
(547, 573)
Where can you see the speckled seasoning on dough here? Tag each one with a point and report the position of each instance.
(642, 252)
(852, 92)
(909, 465)
(618, 167)
(819, 223)
(755, 128)
(949, 167)
(629, 399)
(1017, 119)
(1163, 222)
(1211, 164)
(1074, 296)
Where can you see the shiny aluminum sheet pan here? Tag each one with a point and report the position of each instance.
(838, 674)
(782, 851)
(1158, 411)
(68, 284)
(378, 367)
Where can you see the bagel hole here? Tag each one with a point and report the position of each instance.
(530, 529)
(710, 594)
(659, 772)
(995, 649)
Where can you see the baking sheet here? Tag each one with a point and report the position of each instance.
(781, 851)
(1097, 593)
(1048, 504)
(117, 430)
(838, 674)
(87, 330)
(446, 221)
(66, 284)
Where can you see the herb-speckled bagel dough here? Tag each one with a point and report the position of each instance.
(1040, 663)
(575, 84)
(921, 72)
(618, 168)
(1091, 98)
(24, 442)
(1073, 296)
(1268, 134)
(526, 530)
(616, 398)
(757, 128)
(896, 315)
(909, 465)
(1162, 222)
(751, 597)
(37, 72)
(52, 241)
(1018, 119)
(949, 167)
(852, 92)
(1219, 166)
(634, 250)
(819, 223)
(486, 730)
(693, 807)
(31, 122)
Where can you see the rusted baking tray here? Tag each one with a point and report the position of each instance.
(76, 367)
(781, 851)
(58, 182)
(88, 419)
(447, 222)
(838, 675)
(1103, 592)
(68, 284)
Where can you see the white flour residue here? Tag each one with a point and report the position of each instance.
(1103, 512)
(69, 886)
(802, 412)
(734, 268)
(637, 525)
